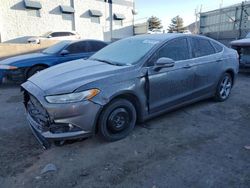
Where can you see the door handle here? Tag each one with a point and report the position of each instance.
(219, 60)
(187, 66)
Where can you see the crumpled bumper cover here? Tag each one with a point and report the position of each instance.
(66, 121)
(44, 138)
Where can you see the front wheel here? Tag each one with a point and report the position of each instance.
(224, 87)
(117, 120)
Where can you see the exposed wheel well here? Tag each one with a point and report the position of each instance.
(131, 98)
(36, 65)
(231, 72)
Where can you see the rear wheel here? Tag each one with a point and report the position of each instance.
(117, 120)
(224, 87)
(34, 70)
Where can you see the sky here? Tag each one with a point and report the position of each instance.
(167, 9)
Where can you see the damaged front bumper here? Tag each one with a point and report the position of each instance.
(57, 122)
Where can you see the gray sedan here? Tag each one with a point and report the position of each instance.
(129, 81)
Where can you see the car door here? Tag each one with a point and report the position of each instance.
(171, 86)
(76, 50)
(207, 61)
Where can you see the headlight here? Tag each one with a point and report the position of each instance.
(72, 97)
(8, 67)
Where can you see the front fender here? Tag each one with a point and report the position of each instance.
(135, 87)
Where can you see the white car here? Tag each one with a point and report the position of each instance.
(55, 35)
(156, 31)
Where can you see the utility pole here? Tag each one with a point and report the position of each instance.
(221, 4)
(197, 16)
(72, 4)
(110, 18)
(196, 21)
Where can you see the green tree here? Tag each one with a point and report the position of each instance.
(154, 23)
(176, 25)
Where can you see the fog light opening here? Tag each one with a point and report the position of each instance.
(63, 128)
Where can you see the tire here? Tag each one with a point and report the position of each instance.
(224, 88)
(117, 120)
(34, 70)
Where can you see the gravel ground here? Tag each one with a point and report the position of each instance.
(201, 145)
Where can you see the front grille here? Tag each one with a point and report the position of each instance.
(37, 111)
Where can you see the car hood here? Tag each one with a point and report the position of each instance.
(67, 77)
(26, 57)
(243, 42)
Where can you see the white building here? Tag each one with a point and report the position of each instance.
(96, 19)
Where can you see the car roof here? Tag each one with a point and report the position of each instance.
(168, 36)
(92, 40)
(160, 37)
(62, 31)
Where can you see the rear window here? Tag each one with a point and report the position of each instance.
(201, 47)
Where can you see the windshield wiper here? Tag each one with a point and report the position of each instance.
(108, 62)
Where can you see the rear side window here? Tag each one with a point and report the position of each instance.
(218, 48)
(176, 49)
(96, 46)
(201, 47)
(78, 47)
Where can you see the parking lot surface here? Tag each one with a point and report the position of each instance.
(201, 145)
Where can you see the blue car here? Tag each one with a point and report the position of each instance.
(20, 68)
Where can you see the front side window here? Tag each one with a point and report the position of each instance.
(62, 34)
(96, 46)
(55, 34)
(201, 47)
(176, 49)
(79, 47)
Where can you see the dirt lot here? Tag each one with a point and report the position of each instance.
(201, 145)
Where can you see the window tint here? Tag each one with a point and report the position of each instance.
(60, 34)
(70, 34)
(56, 34)
(218, 48)
(79, 47)
(96, 46)
(176, 50)
(201, 47)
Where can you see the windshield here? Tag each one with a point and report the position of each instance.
(46, 34)
(125, 52)
(56, 48)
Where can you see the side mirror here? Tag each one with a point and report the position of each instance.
(163, 62)
(64, 52)
(49, 36)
